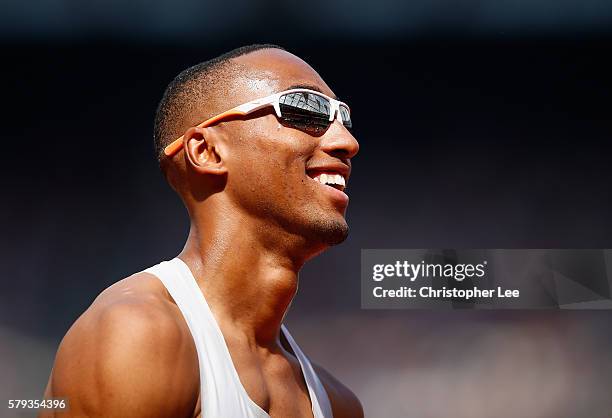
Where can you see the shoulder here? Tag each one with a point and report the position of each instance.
(130, 354)
(343, 401)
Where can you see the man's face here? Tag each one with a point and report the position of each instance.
(272, 166)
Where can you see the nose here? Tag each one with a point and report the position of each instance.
(338, 141)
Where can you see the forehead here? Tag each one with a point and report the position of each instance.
(269, 71)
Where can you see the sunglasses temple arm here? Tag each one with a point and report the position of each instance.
(260, 104)
(177, 144)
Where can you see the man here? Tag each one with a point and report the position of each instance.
(262, 179)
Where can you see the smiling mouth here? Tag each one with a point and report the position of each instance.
(330, 179)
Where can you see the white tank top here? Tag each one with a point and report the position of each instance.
(222, 393)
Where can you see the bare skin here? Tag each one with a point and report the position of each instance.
(256, 217)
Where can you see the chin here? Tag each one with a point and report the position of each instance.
(319, 232)
(330, 231)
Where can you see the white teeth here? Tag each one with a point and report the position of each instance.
(335, 179)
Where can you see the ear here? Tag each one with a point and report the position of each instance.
(202, 151)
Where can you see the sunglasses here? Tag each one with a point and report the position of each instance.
(303, 109)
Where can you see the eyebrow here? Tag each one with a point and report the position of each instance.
(311, 87)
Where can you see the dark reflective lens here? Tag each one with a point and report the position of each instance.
(305, 110)
(345, 114)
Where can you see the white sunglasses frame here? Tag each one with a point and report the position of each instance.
(274, 100)
(257, 104)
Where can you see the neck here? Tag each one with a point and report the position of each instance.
(248, 285)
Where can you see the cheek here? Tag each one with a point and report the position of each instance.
(262, 174)
(280, 156)
(268, 161)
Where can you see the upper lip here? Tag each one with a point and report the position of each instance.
(340, 168)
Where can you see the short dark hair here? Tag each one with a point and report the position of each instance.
(196, 82)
